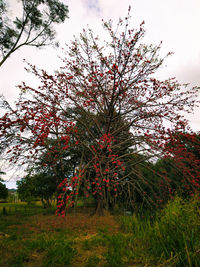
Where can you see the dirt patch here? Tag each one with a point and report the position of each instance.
(77, 222)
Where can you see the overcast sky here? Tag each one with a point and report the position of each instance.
(175, 22)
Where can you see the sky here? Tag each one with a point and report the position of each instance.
(174, 22)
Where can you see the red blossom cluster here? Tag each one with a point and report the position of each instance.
(184, 149)
(69, 189)
(105, 167)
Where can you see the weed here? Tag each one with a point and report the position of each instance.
(93, 261)
(90, 244)
(103, 230)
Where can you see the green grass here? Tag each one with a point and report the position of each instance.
(58, 251)
(169, 238)
(22, 246)
(173, 237)
(53, 251)
(21, 208)
(93, 261)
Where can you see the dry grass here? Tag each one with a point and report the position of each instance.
(78, 227)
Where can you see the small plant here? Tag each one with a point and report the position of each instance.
(20, 259)
(102, 230)
(58, 251)
(86, 245)
(93, 261)
(135, 224)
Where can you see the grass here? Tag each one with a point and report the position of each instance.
(173, 237)
(20, 208)
(170, 238)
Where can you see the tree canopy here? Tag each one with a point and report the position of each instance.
(3, 191)
(183, 149)
(34, 185)
(33, 28)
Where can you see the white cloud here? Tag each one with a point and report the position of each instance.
(92, 6)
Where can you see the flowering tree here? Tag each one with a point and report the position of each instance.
(183, 150)
(106, 103)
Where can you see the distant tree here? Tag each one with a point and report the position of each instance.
(3, 191)
(34, 28)
(45, 187)
(38, 185)
(25, 189)
(1, 180)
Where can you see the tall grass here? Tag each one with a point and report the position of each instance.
(173, 237)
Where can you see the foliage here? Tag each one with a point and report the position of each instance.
(171, 237)
(52, 250)
(183, 152)
(25, 190)
(39, 185)
(3, 191)
(107, 106)
(177, 230)
(34, 28)
(141, 189)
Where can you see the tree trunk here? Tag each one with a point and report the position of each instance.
(43, 203)
(99, 207)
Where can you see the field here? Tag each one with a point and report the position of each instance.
(36, 237)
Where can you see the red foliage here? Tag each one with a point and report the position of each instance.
(184, 149)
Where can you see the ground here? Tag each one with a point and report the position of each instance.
(80, 228)
(36, 237)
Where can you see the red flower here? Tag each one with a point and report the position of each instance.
(114, 66)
